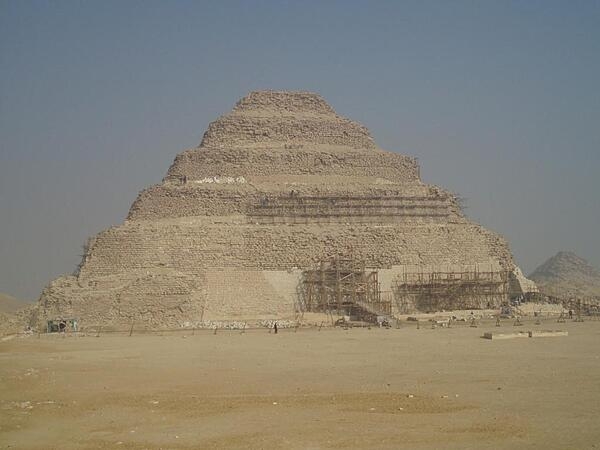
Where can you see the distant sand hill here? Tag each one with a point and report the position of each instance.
(14, 314)
(9, 304)
(567, 274)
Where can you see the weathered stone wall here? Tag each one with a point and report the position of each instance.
(164, 201)
(247, 295)
(193, 248)
(204, 162)
(152, 297)
(238, 130)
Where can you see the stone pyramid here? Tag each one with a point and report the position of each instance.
(567, 275)
(276, 185)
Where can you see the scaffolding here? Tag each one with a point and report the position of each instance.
(344, 286)
(435, 291)
(296, 208)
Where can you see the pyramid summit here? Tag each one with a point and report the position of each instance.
(270, 118)
(278, 187)
(284, 101)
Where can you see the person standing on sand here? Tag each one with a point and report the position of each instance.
(275, 327)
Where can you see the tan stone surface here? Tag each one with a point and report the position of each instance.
(278, 183)
(520, 284)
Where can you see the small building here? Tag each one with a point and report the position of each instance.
(61, 325)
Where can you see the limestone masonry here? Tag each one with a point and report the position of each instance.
(276, 185)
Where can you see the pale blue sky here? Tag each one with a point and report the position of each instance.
(500, 101)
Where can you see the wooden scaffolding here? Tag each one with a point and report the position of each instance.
(435, 291)
(344, 286)
(296, 208)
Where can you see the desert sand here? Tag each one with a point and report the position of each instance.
(358, 388)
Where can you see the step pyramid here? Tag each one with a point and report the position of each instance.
(276, 185)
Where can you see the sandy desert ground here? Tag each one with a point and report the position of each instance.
(358, 388)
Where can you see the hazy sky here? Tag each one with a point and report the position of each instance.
(500, 101)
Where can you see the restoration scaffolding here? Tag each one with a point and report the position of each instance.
(297, 208)
(447, 290)
(344, 286)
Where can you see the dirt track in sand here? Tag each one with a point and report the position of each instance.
(399, 388)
